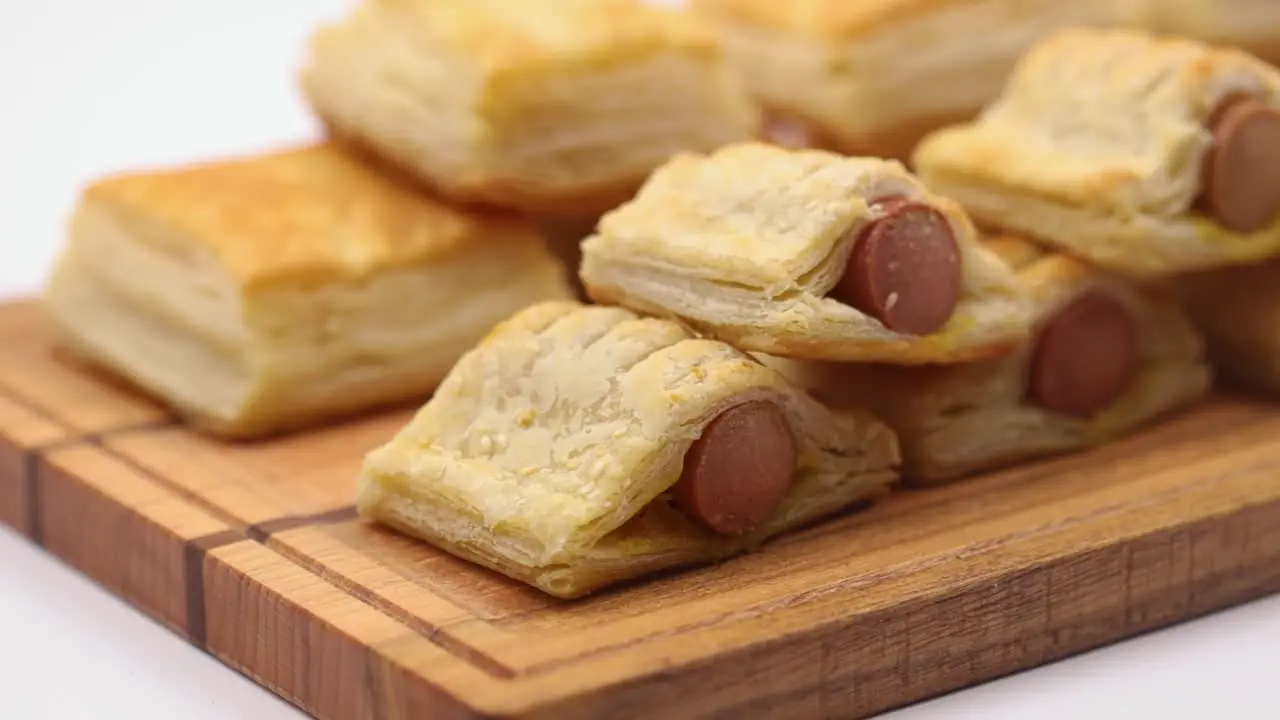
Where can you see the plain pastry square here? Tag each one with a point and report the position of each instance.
(542, 105)
(1099, 145)
(1253, 25)
(550, 452)
(747, 244)
(956, 420)
(871, 77)
(260, 294)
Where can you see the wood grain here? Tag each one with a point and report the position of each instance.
(252, 551)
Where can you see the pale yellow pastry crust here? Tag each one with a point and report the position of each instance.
(261, 294)
(540, 105)
(957, 420)
(875, 76)
(549, 451)
(745, 243)
(1096, 147)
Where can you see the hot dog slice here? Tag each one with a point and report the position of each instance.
(738, 472)
(1085, 357)
(905, 269)
(1241, 184)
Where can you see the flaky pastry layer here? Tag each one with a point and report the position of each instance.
(956, 420)
(261, 294)
(875, 76)
(542, 105)
(549, 451)
(745, 243)
(1096, 146)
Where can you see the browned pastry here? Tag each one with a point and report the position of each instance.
(1105, 357)
(579, 446)
(806, 254)
(1146, 155)
(261, 294)
(872, 77)
(549, 106)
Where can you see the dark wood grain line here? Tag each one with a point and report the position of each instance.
(33, 509)
(263, 531)
(1050, 642)
(1267, 465)
(193, 557)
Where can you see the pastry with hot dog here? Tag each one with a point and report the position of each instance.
(1146, 155)
(1104, 358)
(261, 294)
(871, 77)
(540, 105)
(806, 254)
(578, 446)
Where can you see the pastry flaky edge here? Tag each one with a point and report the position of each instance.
(547, 106)
(872, 77)
(548, 452)
(261, 294)
(953, 421)
(744, 243)
(1096, 146)
(1237, 309)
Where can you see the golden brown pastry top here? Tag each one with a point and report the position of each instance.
(825, 19)
(752, 213)
(298, 215)
(524, 35)
(1110, 119)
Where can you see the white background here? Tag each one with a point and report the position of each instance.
(93, 86)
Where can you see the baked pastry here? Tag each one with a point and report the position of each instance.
(1146, 155)
(1252, 25)
(579, 446)
(540, 105)
(871, 77)
(1106, 357)
(1237, 309)
(260, 294)
(806, 254)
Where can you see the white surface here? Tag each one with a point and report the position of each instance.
(95, 86)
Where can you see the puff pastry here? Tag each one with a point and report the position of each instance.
(1145, 155)
(871, 77)
(960, 419)
(1253, 25)
(552, 451)
(1237, 309)
(754, 243)
(260, 294)
(541, 105)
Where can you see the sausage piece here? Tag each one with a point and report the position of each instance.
(905, 269)
(739, 471)
(1085, 357)
(1241, 183)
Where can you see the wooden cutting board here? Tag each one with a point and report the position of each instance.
(253, 553)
